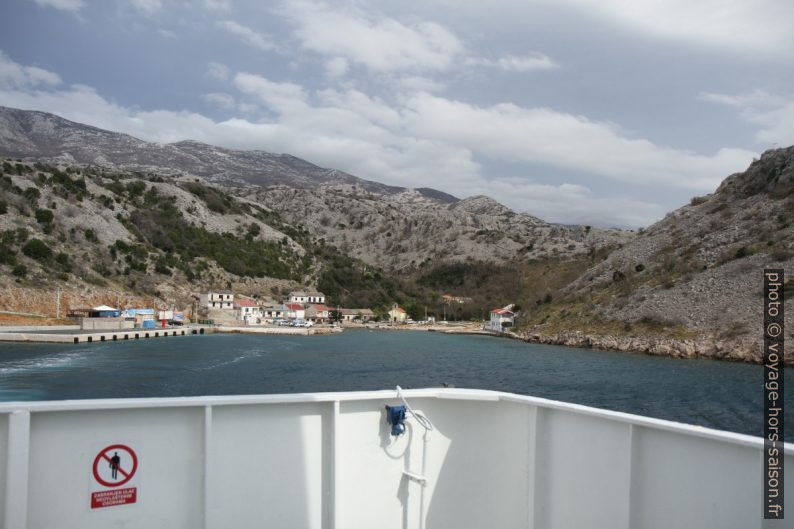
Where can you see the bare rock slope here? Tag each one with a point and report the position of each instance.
(695, 277)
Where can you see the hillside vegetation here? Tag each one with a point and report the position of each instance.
(696, 274)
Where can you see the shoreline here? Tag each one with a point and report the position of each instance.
(709, 348)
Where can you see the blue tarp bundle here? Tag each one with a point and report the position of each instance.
(396, 417)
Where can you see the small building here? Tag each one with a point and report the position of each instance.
(138, 316)
(397, 314)
(219, 299)
(103, 311)
(300, 296)
(274, 311)
(104, 317)
(317, 312)
(501, 318)
(295, 311)
(361, 315)
(248, 311)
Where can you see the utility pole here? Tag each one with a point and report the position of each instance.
(58, 303)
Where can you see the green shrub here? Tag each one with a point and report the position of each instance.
(639, 268)
(3, 207)
(7, 255)
(44, 216)
(90, 235)
(20, 270)
(37, 249)
(31, 194)
(63, 260)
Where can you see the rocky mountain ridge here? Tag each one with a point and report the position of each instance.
(388, 226)
(44, 137)
(694, 275)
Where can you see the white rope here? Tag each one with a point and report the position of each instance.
(422, 419)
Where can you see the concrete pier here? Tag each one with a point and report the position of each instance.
(71, 336)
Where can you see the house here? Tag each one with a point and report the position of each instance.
(295, 311)
(274, 311)
(300, 296)
(102, 318)
(316, 297)
(138, 316)
(248, 311)
(397, 314)
(103, 311)
(501, 318)
(357, 314)
(219, 299)
(317, 312)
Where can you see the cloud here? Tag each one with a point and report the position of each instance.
(544, 136)
(218, 71)
(253, 38)
(336, 67)
(218, 5)
(756, 98)
(147, 7)
(16, 75)
(280, 97)
(220, 100)
(416, 83)
(773, 113)
(580, 206)
(422, 140)
(63, 5)
(761, 25)
(382, 45)
(517, 63)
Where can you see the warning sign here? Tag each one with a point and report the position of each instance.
(109, 498)
(114, 466)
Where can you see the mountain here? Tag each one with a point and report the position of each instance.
(52, 139)
(387, 226)
(690, 284)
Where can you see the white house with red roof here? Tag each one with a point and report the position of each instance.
(397, 314)
(317, 312)
(248, 311)
(502, 318)
(295, 311)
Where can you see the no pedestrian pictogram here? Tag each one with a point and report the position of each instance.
(114, 466)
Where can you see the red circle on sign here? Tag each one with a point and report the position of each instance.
(103, 455)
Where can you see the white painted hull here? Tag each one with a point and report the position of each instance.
(495, 460)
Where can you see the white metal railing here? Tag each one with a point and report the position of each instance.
(328, 461)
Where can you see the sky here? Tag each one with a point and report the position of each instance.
(608, 113)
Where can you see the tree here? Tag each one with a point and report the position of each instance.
(20, 270)
(44, 216)
(334, 316)
(37, 249)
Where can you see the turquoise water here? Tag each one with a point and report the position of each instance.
(716, 394)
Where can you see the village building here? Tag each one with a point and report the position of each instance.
(300, 296)
(362, 315)
(219, 299)
(317, 312)
(143, 317)
(501, 318)
(248, 311)
(397, 314)
(274, 311)
(100, 318)
(295, 311)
